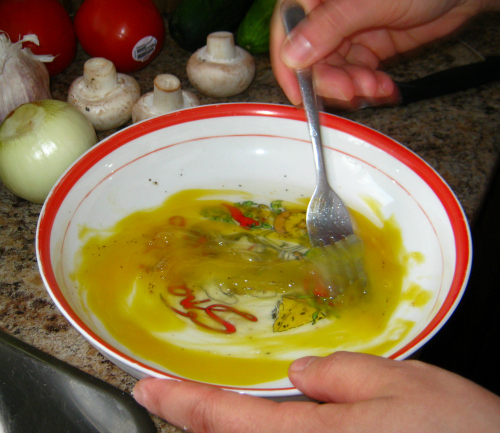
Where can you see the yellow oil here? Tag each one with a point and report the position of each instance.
(123, 275)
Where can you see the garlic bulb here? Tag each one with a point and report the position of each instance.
(23, 77)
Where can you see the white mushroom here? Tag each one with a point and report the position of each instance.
(166, 96)
(221, 68)
(103, 95)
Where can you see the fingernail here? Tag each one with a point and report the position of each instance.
(301, 363)
(385, 88)
(296, 50)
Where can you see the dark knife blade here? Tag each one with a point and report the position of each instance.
(451, 80)
(40, 393)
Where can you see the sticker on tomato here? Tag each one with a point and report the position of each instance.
(144, 48)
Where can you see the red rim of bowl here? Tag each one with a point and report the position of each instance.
(440, 188)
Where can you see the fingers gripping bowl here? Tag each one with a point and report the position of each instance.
(258, 156)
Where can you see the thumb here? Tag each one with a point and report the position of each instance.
(325, 27)
(344, 377)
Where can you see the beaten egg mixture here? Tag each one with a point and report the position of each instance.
(226, 291)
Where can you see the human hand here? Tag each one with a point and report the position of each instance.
(345, 41)
(361, 393)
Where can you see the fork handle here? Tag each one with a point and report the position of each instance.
(310, 102)
(292, 13)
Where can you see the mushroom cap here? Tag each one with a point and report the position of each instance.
(220, 78)
(110, 110)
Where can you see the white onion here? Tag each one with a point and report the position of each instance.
(38, 142)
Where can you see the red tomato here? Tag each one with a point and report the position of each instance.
(130, 33)
(49, 21)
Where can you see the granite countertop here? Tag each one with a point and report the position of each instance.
(458, 135)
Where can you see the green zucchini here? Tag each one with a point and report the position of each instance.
(193, 20)
(253, 32)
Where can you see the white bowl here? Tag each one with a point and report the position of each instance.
(262, 149)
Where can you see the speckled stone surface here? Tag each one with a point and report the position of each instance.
(458, 135)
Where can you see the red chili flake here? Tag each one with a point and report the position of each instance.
(244, 221)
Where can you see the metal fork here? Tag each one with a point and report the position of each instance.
(341, 261)
(327, 217)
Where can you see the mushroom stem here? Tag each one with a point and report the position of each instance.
(99, 77)
(166, 96)
(167, 93)
(220, 45)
